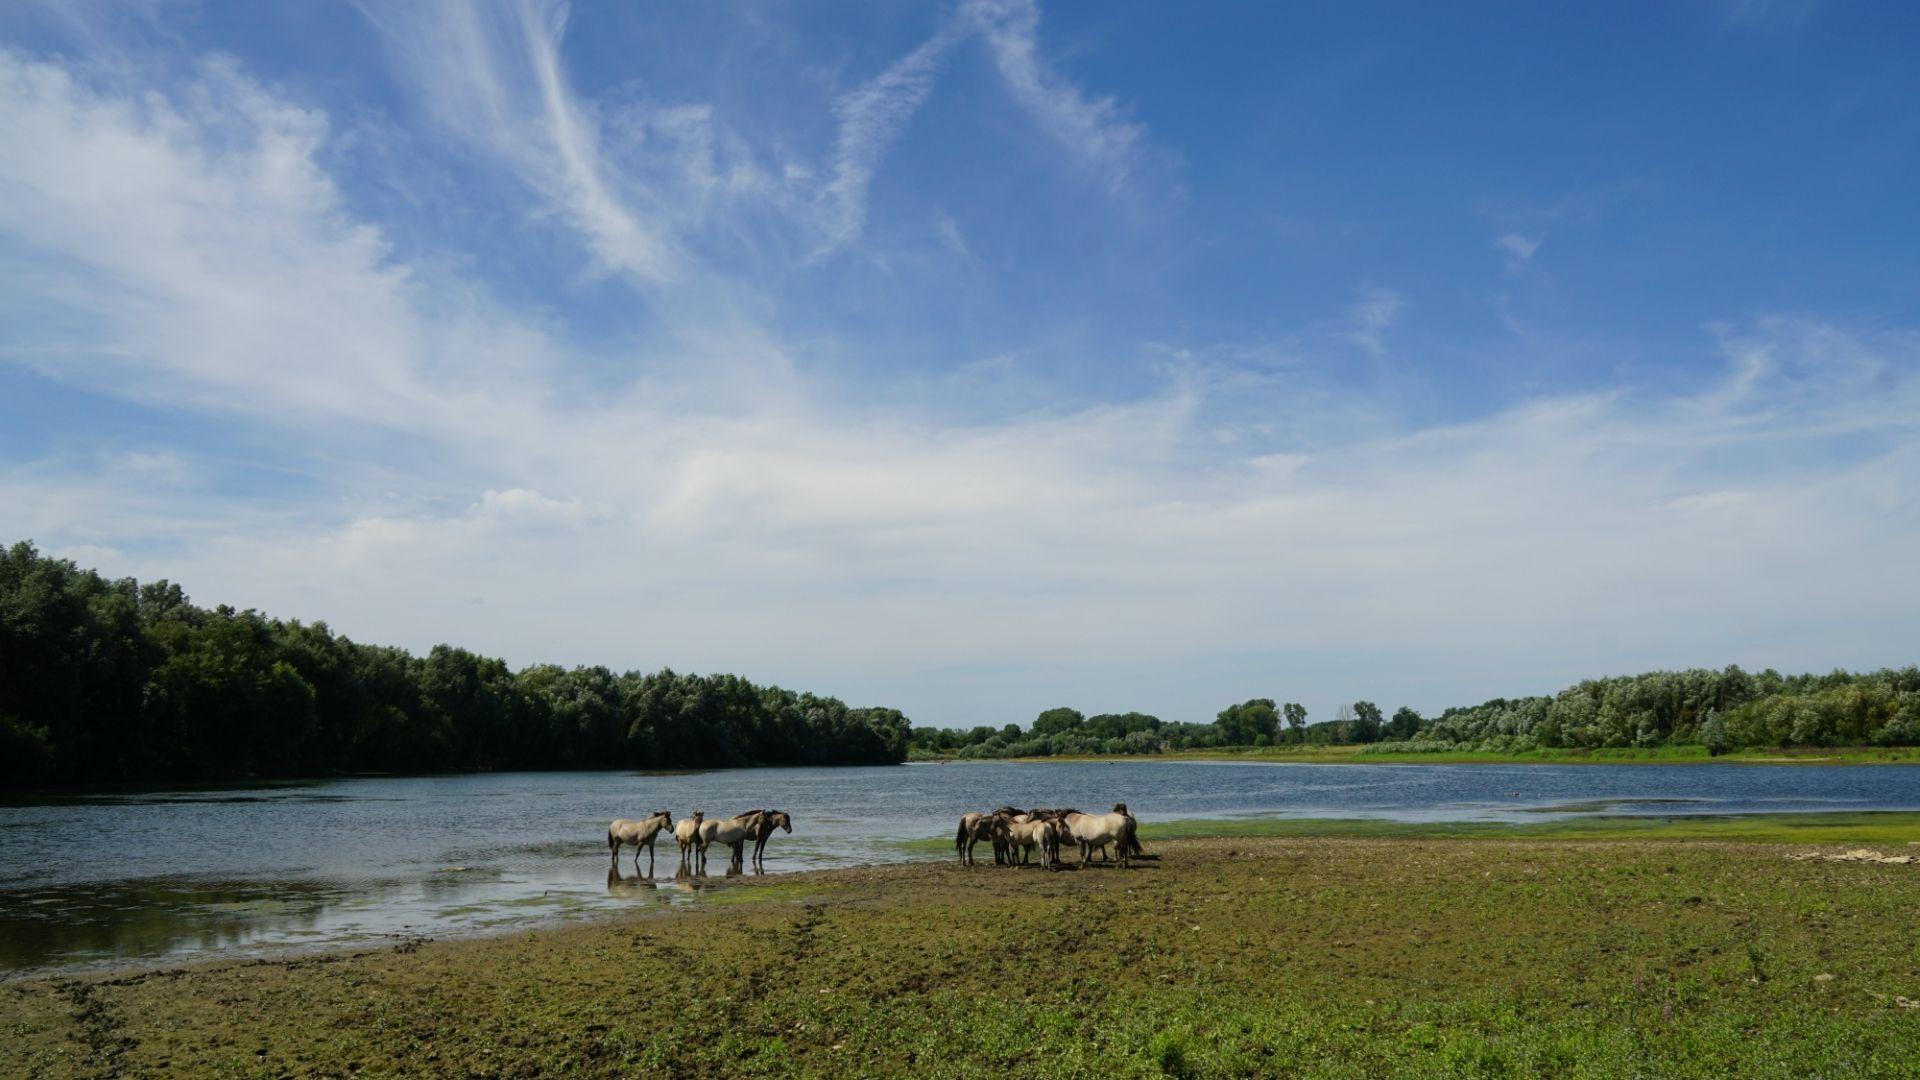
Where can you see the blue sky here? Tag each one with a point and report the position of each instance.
(980, 358)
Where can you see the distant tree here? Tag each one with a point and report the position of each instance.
(1056, 721)
(1296, 720)
(1713, 735)
(1367, 723)
(1241, 724)
(1342, 728)
(1405, 723)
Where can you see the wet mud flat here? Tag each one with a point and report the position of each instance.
(1249, 955)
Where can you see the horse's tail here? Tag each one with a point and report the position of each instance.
(1130, 838)
(613, 842)
(960, 838)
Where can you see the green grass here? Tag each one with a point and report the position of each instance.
(1314, 956)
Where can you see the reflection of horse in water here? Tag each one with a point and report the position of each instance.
(633, 888)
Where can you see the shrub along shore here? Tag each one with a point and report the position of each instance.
(1244, 955)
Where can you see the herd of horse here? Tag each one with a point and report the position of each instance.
(696, 834)
(1017, 834)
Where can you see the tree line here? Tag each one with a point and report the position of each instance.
(1721, 710)
(112, 680)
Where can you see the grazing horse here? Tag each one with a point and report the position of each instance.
(639, 834)
(769, 821)
(1099, 831)
(687, 833)
(976, 827)
(733, 832)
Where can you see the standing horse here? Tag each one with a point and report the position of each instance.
(769, 820)
(687, 833)
(639, 834)
(976, 827)
(1099, 831)
(733, 832)
(1031, 831)
(1132, 842)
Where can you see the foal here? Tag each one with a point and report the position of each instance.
(687, 833)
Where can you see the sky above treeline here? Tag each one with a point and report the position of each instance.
(979, 358)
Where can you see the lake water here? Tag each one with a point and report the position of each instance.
(182, 874)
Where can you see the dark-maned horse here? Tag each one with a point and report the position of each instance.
(769, 820)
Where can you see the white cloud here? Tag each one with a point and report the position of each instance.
(871, 117)
(950, 235)
(1095, 129)
(1519, 248)
(1370, 318)
(492, 74)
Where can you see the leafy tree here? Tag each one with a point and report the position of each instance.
(1296, 720)
(1056, 721)
(1367, 723)
(1405, 724)
(1241, 724)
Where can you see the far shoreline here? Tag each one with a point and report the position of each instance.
(1363, 755)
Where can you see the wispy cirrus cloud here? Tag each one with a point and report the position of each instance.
(1370, 317)
(1095, 129)
(1519, 248)
(492, 74)
(870, 119)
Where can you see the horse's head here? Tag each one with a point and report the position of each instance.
(1121, 808)
(780, 818)
(699, 816)
(664, 817)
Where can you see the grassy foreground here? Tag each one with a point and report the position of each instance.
(1319, 956)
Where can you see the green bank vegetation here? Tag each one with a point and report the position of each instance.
(117, 681)
(1432, 753)
(1661, 715)
(1295, 956)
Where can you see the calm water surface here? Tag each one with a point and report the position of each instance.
(191, 873)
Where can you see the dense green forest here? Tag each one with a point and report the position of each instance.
(1721, 710)
(113, 680)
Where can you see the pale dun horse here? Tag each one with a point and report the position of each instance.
(733, 832)
(1028, 832)
(687, 834)
(638, 833)
(1100, 831)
